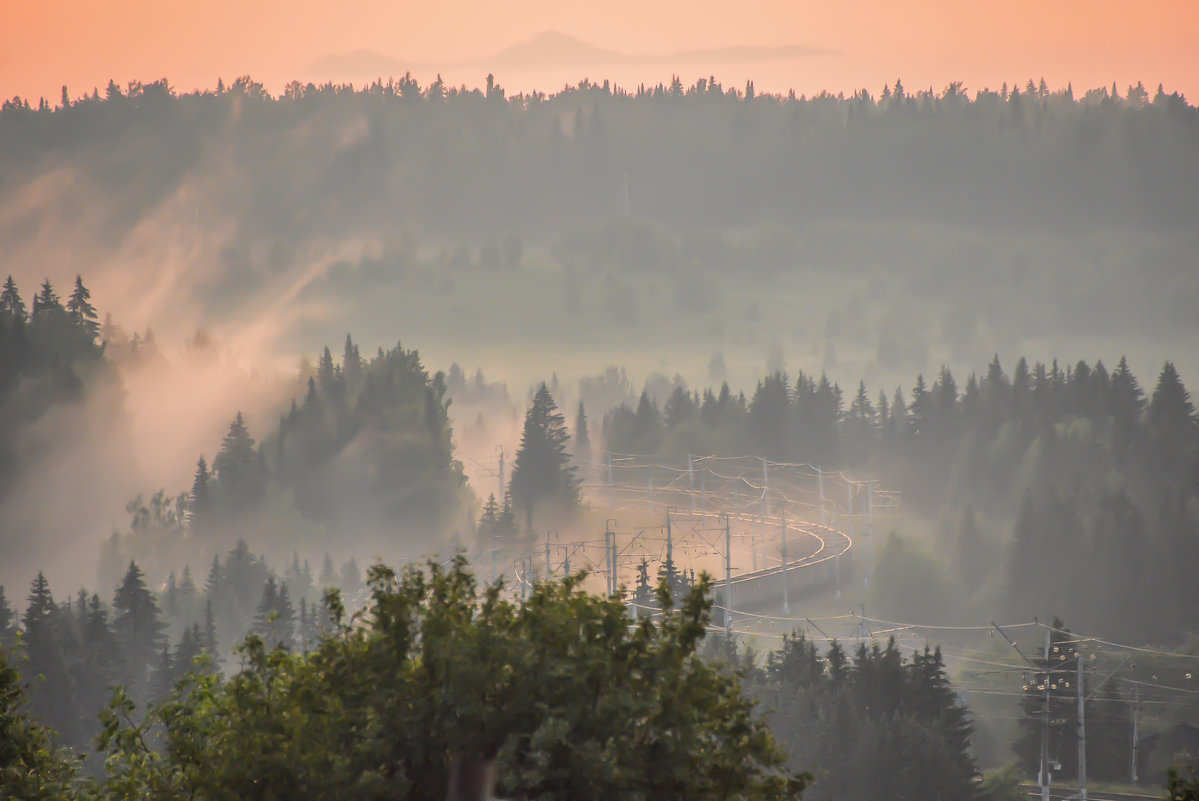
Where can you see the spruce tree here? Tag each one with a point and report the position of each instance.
(105, 664)
(162, 675)
(82, 311)
(46, 302)
(10, 301)
(237, 466)
(582, 441)
(1170, 419)
(488, 529)
(51, 694)
(187, 586)
(216, 578)
(918, 411)
(138, 625)
(542, 468)
(190, 647)
(7, 620)
(200, 502)
(325, 372)
(351, 364)
(266, 608)
(274, 618)
(208, 640)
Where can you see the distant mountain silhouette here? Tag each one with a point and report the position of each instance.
(553, 50)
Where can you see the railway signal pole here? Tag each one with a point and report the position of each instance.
(1044, 779)
(783, 523)
(728, 579)
(1082, 736)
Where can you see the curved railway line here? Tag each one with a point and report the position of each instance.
(768, 532)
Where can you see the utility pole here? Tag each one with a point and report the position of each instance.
(783, 522)
(1136, 708)
(703, 497)
(1082, 736)
(728, 578)
(765, 491)
(691, 478)
(615, 570)
(669, 542)
(608, 552)
(1044, 779)
(549, 571)
(869, 534)
(820, 487)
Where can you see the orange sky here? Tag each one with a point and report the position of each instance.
(82, 43)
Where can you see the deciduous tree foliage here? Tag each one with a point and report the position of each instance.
(31, 769)
(569, 696)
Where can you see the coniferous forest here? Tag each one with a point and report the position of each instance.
(255, 556)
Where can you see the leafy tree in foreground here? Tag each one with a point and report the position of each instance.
(565, 693)
(30, 767)
(1180, 788)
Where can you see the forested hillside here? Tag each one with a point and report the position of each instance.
(885, 231)
(1094, 479)
(49, 353)
(837, 272)
(332, 160)
(362, 463)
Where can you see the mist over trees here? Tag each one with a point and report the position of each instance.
(995, 218)
(49, 351)
(366, 452)
(878, 242)
(1095, 479)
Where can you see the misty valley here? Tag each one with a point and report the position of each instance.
(684, 442)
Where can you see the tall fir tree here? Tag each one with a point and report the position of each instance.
(138, 625)
(82, 311)
(10, 301)
(51, 693)
(199, 510)
(238, 468)
(542, 469)
(582, 441)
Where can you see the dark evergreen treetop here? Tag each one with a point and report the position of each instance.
(81, 310)
(542, 468)
(10, 301)
(138, 623)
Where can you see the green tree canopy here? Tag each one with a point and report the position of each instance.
(567, 695)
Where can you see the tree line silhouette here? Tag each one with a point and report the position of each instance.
(48, 351)
(690, 155)
(1096, 479)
